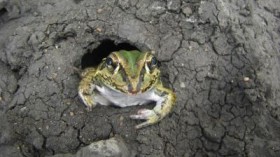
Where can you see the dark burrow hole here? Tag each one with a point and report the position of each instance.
(94, 57)
(3, 13)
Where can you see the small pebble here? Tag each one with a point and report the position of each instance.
(98, 29)
(182, 85)
(187, 11)
(71, 113)
(246, 79)
(99, 10)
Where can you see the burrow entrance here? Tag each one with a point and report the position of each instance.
(3, 14)
(94, 57)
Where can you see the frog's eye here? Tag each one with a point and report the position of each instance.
(151, 65)
(109, 61)
(154, 62)
(112, 65)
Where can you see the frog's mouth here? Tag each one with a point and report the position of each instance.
(132, 89)
(134, 92)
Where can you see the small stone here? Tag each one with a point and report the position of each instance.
(187, 11)
(111, 147)
(23, 109)
(182, 85)
(99, 10)
(246, 79)
(173, 5)
(98, 29)
(68, 102)
(72, 114)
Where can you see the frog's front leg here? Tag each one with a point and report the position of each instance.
(165, 101)
(86, 88)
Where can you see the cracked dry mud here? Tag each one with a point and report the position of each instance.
(220, 57)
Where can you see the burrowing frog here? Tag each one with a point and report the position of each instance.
(128, 78)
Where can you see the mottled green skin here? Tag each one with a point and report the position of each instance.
(131, 76)
(132, 58)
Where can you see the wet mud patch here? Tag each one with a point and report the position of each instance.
(219, 57)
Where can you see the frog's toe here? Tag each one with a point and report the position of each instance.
(143, 114)
(149, 115)
(89, 108)
(89, 103)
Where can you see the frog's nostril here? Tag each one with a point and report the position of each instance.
(94, 56)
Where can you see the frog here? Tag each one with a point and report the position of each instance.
(128, 78)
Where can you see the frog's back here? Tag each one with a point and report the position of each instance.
(131, 58)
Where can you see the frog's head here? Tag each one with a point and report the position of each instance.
(130, 72)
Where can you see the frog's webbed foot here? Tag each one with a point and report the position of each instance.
(86, 88)
(87, 100)
(89, 108)
(165, 102)
(150, 116)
